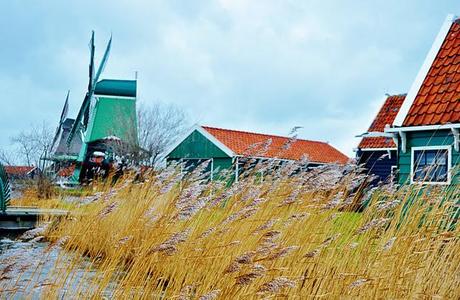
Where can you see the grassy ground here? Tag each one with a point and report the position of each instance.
(61, 199)
(291, 237)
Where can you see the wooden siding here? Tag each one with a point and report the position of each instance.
(219, 164)
(113, 117)
(197, 146)
(377, 166)
(421, 139)
(222, 163)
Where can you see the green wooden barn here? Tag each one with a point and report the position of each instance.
(426, 129)
(229, 149)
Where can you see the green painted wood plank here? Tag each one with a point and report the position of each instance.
(113, 117)
(197, 146)
(422, 139)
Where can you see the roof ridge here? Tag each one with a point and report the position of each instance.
(116, 79)
(263, 134)
(398, 95)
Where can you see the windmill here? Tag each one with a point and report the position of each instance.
(62, 155)
(5, 190)
(107, 115)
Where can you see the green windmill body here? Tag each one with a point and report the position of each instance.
(106, 121)
(112, 122)
(114, 113)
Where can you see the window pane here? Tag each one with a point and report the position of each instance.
(430, 165)
(419, 166)
(430, 156)
(419, 157)
(441, 173)
(418, 175)
(441, 158)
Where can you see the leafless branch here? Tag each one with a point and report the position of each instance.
(6, 157)
(159, 127)
(33, 144)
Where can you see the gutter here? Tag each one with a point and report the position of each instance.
(401, 131)
(385, 134)
(374, 134)
(422, 128)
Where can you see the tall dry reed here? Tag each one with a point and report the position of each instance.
(290, 235)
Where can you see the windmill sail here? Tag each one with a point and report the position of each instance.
(64, 112)
(103, 63)
(90, 76)
(83, 115)
(91, 62)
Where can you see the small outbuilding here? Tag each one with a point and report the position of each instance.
(228, 149)
(21, 172)
(377, 151)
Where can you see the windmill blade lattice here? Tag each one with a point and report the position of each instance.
(64, 112)
(83, 115)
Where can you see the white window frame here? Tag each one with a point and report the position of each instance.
(449, 164)
(393, 170)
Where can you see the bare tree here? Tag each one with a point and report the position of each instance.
(33, 144)
(6, 157)
(159, 126)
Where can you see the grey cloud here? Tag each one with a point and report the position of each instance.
(254, 65)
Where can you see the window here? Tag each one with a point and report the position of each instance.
(431, 164)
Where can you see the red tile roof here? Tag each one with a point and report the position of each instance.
(438, 100)
(252, 144)
(386, 115)
(66, 171)
(18, 170)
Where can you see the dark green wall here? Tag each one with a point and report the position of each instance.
(222, 163)
(114, 116)
(198, 146)
(426, 138)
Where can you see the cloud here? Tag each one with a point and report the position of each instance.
(254, 65)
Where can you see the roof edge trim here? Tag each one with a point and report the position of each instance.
(417, 84)
(423, 128)
(115, 97)
(376, 149)
(207, 135)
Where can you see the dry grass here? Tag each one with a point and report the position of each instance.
(29, 199)
(287, 237)
(59, 200)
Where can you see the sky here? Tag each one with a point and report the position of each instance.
(255, 65)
